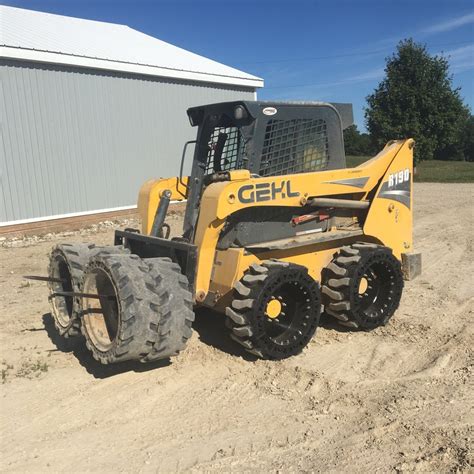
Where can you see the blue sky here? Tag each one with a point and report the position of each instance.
(330, 50)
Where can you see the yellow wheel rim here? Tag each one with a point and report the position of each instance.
(363, 285)
(273, 309)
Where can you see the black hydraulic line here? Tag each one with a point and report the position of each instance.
(161, 211)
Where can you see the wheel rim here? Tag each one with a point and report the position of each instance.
(363, 285)
(63, 305)
(274, 308)
(287, 326)
(101, 316)
(377, 295)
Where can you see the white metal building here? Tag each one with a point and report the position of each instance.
(90, 110)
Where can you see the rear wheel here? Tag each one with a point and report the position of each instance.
(276, 309)
(362, 286)
(67, 263)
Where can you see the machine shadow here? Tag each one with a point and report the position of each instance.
(211, 329)
(330, 323)
(208, 325)
(78, 347)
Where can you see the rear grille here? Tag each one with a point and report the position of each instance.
(294, 146)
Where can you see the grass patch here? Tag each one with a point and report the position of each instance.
(445, 172)
(433, 171)
(28, 369)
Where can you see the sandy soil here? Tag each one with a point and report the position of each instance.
(399, 398)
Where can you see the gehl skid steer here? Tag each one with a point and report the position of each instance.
(276, 230)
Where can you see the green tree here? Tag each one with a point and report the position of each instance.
(416, 99)
(469, 139)
(351, 140)
(356, 143)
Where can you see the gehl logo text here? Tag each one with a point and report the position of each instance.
(265, 192)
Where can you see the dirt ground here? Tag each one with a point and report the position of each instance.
(399, 398)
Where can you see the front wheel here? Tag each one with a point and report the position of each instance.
(66, 266)
(122, 312)
(135, 309)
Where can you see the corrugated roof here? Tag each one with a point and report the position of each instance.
(44, 37)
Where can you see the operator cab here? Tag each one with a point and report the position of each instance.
(266, 138)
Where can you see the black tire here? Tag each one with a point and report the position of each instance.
(67, 262)
(362, 286)
(285, 333)
(177, 316)
(123, 324)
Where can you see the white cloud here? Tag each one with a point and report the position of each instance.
(462, 52)
(461, 59)
(440, 27)
(369, 75)
(449, 25)
(322, 89)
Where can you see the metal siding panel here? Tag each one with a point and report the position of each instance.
(42, 156)
(33, 145)
(58, 146)
(78, 140)
(6, 208)
(18, 180)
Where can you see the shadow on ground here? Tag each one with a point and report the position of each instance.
(330, 323)
(209, 326)
(77, 346)
(211, 329)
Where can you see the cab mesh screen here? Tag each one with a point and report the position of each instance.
(233, 156)
(294, 146)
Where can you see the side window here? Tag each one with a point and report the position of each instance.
(229, 144)
(294, 146)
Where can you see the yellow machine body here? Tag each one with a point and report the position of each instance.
(384, 183)
(276, 232)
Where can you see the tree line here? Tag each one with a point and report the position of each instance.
(416, 99)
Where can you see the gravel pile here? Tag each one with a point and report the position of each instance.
(26, 241)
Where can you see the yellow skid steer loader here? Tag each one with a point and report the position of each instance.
(276, 230)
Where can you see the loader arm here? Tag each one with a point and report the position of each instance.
(150, 195)
(378, 181)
